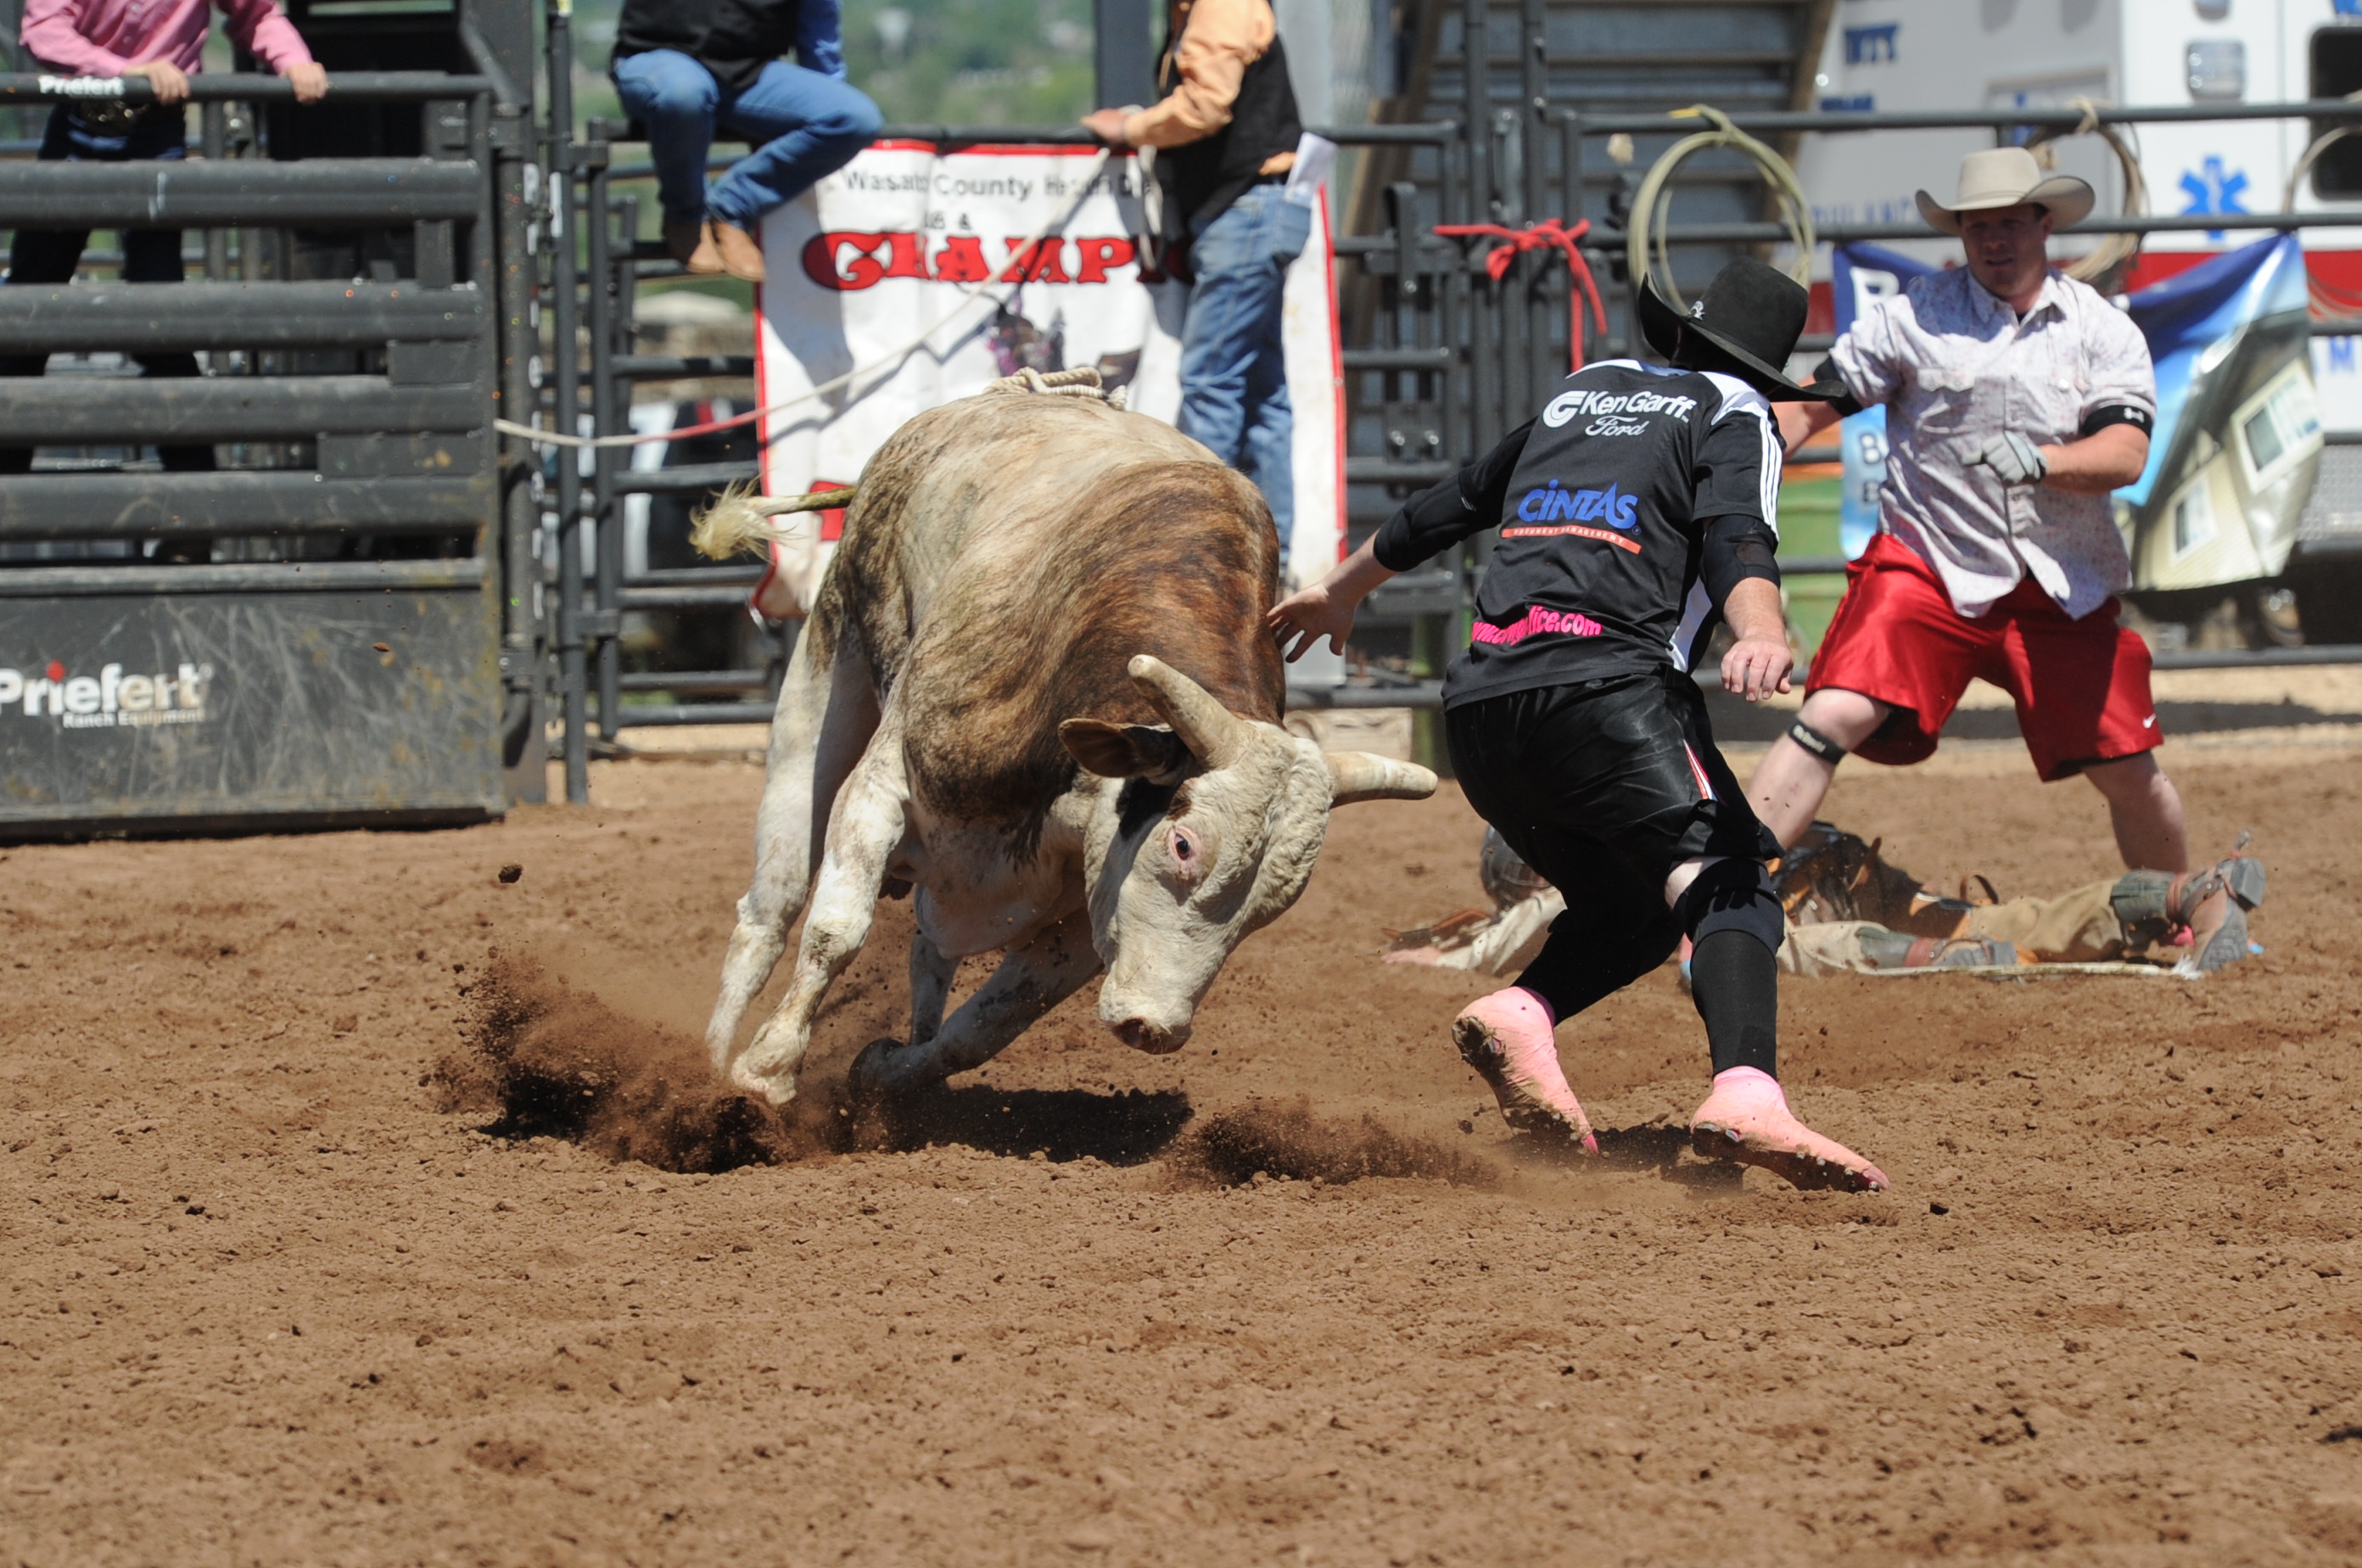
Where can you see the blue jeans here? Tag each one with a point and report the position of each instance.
(1233, 375)
(149, 255)
(803, 126)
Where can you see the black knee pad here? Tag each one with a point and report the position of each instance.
(1732, 895)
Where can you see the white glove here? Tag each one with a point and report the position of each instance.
(2014, 460)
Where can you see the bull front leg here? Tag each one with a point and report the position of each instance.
(827, 713)
(864, 833)
(1032, 979)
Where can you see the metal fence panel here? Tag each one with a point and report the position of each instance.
(180, 698)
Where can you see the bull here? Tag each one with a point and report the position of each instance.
(1034, 687)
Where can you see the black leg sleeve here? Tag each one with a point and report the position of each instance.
(1734, 919)
(1735, 981)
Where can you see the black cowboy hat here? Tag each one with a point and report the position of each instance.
(1752, 314)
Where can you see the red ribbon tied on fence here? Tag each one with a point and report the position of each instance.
(1550, 234)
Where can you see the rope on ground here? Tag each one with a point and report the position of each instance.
(1550, 234)
(1014, 276)
(1652, 206)
(2103, 267)
(738, 523)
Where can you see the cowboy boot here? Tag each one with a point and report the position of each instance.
(742, 258)
(2208, 910)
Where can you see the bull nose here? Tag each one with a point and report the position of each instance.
(1142, 1035)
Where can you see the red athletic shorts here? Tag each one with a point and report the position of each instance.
(2082, 687)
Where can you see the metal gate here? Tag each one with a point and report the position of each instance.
(310, 635)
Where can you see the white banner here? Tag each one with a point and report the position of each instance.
(886, 248)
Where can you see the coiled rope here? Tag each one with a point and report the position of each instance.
(2327, 299)
(2103, 267)
(1014, 277)
(1651, 204)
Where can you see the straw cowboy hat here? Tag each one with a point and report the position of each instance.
(2002, 176)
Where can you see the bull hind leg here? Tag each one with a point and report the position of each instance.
(827, 712)
(1033, 978)
(865, 830)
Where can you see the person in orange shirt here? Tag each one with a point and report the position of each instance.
(1226, 134)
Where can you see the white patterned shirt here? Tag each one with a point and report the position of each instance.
(1957, 367)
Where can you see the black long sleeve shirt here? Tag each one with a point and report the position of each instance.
(1629, 511)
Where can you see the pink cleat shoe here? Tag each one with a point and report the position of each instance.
(1746, 1118)
(1507, 1038)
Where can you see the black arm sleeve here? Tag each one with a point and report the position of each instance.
(1732, 551)
(1468, 502)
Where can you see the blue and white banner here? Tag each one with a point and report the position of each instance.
(1862, 275)
(2231, 463)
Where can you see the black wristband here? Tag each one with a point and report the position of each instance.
(2099, 419)
(1819, 744)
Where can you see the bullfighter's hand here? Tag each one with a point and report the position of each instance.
(310, 81)
(1107, 125)
(170, 83)
(1305, 617)
(1757, 667)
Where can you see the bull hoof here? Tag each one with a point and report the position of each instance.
(771, 1091)
(868, 1080)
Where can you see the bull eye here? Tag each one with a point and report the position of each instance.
(1188, 849)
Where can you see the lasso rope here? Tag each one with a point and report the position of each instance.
(1652, 205)
(2327, 298)
(1023, 252)
(2118, 250)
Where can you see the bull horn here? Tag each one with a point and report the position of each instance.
(1212, 733)
(1360, 775)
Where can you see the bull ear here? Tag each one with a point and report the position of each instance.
(1360, 776)
(1216, 735)
(1125, 751)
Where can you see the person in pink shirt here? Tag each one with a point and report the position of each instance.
(161, 40)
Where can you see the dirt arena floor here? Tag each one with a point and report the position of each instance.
(358, 1207)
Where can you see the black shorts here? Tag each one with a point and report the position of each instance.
(1605, 787)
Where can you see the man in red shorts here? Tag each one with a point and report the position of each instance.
(2017, 400)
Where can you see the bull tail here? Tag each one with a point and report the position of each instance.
(738, 521)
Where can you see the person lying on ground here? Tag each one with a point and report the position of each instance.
(1636, 512)
(1849, 911)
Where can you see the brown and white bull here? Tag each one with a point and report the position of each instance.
(1033, 687)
